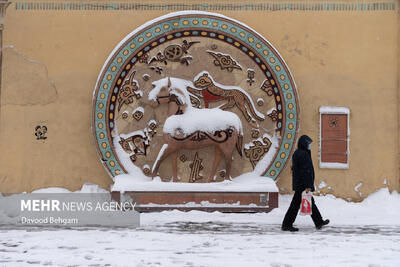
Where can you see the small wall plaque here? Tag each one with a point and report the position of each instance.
(334, 137)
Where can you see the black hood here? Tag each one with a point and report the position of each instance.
(303, 142)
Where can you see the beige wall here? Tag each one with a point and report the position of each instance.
(398, 91)
(337, 58)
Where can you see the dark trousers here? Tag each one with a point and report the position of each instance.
(291, 214)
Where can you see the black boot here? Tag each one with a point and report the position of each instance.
(289, 228)
(325, 222)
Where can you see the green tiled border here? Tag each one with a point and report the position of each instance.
(212, 6)
(135, 43)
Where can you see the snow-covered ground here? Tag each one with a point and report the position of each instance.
(360, 234)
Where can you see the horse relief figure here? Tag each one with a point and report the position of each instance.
(210, 91)
(187, 127)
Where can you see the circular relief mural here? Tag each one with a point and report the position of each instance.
(198, 97)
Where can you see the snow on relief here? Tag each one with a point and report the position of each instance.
(196, 98)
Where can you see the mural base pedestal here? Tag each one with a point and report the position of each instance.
(152, 201)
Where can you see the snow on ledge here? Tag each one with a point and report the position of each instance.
(86, 188)
(201, 204)
(334, 110)
(333, 165)
(248, 182)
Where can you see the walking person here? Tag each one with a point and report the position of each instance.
(302, 180)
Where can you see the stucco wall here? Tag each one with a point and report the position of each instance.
(51, 60)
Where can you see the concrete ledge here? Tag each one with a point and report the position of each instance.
(147, 201)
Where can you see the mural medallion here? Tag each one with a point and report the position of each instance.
(195, 97)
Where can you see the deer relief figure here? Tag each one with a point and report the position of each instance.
(187, 127)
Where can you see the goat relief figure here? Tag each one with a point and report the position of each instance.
(187, 127)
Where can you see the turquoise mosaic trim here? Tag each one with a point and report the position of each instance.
(135, 44)
(211, 6)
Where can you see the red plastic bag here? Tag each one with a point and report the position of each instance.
(305, 207)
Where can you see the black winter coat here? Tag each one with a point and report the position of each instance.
(302, 166)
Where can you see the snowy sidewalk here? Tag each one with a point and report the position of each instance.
(355, 237)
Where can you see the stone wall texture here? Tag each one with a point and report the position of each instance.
(339, 55)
